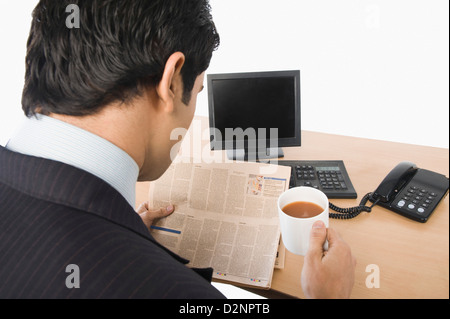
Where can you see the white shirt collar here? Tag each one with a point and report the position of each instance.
(46, 137)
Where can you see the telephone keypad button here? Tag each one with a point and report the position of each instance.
(417, 200)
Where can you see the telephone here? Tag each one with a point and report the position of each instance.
(407, 190)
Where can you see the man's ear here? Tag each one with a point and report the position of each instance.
(171, 83)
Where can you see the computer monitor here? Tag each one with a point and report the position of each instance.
(253, 115)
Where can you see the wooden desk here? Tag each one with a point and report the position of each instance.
(413, 258)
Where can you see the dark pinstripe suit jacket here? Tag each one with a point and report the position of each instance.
(53, 215)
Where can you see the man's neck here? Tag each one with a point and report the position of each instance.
(50, 138)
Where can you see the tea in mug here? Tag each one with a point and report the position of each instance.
(302, 209)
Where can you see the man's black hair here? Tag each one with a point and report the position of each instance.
(120, 48)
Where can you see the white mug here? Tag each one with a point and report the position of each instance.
(295, 232)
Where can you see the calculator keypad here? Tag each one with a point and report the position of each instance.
(328, 180)
(331, 177)
(331, 180)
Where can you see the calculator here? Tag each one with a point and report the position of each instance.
(330, 177)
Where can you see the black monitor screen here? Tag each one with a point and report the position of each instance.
(264, 100)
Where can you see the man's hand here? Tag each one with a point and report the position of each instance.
(149, 216)
(327, 274)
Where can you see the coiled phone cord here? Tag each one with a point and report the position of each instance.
(352, 212)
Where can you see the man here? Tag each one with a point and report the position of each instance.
(101, 102)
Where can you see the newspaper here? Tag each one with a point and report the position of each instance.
(225, 217)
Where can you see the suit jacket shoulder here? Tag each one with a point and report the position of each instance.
(64, 233)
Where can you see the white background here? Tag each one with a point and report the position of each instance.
(375, 69)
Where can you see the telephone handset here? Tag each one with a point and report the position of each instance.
(407, 190)
(394, 181)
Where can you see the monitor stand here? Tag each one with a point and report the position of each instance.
(252, 156)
